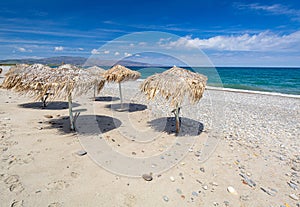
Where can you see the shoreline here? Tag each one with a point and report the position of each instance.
(247, 91)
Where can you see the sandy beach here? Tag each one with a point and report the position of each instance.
(234, 149)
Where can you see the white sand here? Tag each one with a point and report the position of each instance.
(257, 136)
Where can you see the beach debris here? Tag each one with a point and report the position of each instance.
(172, 178)
(48, 116)
(81, 152)
(294, 197)
(285, 205)
(165, 198)
(269, 191)
(205, 187)
(231, 190)
(202, 169)
(147, 177)
(182, 196)
(247, 180)
(293, 185)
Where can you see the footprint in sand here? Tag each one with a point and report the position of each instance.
(12, 179)
(17, 204)
(130, 200)
(74, 174)
(57, 185)
(55, 204)
(14, 183)
(17, 187)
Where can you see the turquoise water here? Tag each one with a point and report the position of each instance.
(279, 80)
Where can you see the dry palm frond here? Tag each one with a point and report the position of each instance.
(38, 79)
(13, 76)
(119, 73)
(97, 71)
(174, 84)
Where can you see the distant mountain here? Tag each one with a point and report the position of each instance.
(73, 60)
(50, 61)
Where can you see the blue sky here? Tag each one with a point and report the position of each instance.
(230, 33)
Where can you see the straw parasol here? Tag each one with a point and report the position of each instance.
(97, 71)
(64, 81)
(1, 70)
(119, 73)
(174, 85)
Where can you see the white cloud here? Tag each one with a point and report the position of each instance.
(127, 54)
(264, 41)
(95, 52)
(59, 48)
(142, 43)
(274, 9)
(81, 49)
(117, 53)
(137, 55)
(22, 49)
(106, 52)
(131, 45)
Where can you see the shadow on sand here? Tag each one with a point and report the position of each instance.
(188, 127)
(55, 105)
(127, 107)
(107, 98)
(104, 124)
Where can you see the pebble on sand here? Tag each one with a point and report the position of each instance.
(166, 198)
(231, 190)
(147, 177)
(172, 178)
(81, 153)
(294, 197)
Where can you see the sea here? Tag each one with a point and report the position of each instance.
(264, 79)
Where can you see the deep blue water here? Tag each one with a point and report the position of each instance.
(279, 80)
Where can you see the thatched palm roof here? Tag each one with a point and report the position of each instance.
(120, 73)
(97, 71)
(174, 84)
(38, 79)
(13, 76)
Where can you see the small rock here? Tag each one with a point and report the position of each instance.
(214, 184)
(226, 203)
(202, 169)
(133, 153)
(81, 152)
(178, 191)
(147, 177)
(205, 187)
(197, 153)
(294, 197)
(194, 193)
(293, 185)
(215, 203)
(172, 178)
(48, 116)
(166, 198)
(231, 190)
